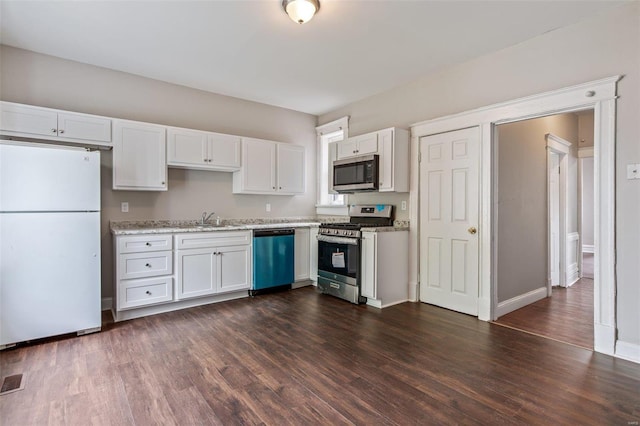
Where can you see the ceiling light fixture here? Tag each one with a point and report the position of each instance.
(301, 11)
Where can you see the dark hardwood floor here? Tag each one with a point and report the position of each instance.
(303, 358)
(566, 316)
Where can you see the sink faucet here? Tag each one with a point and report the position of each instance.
(204, 219)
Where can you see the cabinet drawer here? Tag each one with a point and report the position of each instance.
(141, 265)
(136, 293)
(144, 243)
(212, 239)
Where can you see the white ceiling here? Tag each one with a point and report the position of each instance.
(250, 49)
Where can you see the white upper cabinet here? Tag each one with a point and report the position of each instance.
(290, 159)
(139, 156)
(393, 168)
(392, 147)
(46, 123)
(192, 149)
(358, 145)
(270, 168)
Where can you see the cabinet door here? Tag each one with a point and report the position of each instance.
(258, 167)
(82, 126)
(235, 273)
(27, 119)
(386, 171)
(347, 148)
(291, 169)
(367, 144)
(313, 254)
(301, 254)
(187, 148)
(224, 151)
(368, 265)
(139, 156)
(197, 272)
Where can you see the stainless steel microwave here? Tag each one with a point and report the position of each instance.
(356, 174)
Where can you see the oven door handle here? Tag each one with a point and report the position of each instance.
(339, 240)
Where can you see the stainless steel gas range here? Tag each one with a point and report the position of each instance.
(339, 250)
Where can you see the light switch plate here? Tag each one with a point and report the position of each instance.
(268, 207)
(633, 171)
(124, 207)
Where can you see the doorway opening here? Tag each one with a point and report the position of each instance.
(541, 286)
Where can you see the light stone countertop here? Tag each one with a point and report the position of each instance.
(176, 226)
(184, 226)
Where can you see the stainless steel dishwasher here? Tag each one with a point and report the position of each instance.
(273, 260)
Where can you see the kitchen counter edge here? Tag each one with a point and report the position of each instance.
(164, 228)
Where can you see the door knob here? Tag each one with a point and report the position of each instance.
(472, 230)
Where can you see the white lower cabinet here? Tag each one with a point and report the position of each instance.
(385, 267)
(313, 254)
(144, 270)
(209, 263)
(145, 292)
(157, 273)
(301, 254)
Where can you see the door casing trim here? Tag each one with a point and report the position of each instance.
(599, 95)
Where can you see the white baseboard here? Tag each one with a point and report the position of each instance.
(518, 302)
(300, 284)
(604, 339)
(628, 351)
(107, 303)
(573, 274)
(588, 248)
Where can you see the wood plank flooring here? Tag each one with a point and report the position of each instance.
(299, 357)
(566, 316)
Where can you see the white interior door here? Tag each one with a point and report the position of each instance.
(449, 208)
(554, 217)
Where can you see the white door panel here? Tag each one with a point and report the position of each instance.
(45, 178)
(450, 205)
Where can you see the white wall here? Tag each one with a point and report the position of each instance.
(36, 79)
(522, 201)
(603, 46)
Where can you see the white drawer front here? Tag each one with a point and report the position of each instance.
(136, 293)
(212, 239)
(141, 265)
(144, 243)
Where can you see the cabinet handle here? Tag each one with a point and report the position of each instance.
(148, 265)
(61, 131)
(53, 130)
(148, 244)
(148, 292)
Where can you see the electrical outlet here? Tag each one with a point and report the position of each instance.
(403, 205)
(268, 207)
(124, 207)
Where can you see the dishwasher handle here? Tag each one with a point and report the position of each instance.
(273, 232)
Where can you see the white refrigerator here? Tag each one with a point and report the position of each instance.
(49, 241)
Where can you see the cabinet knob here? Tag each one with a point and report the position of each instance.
(280, 187)
(274, 187)
(162, 183)
(148, 244)
(61, 131)
(148, 265)
(53, 130)
(148, 292)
